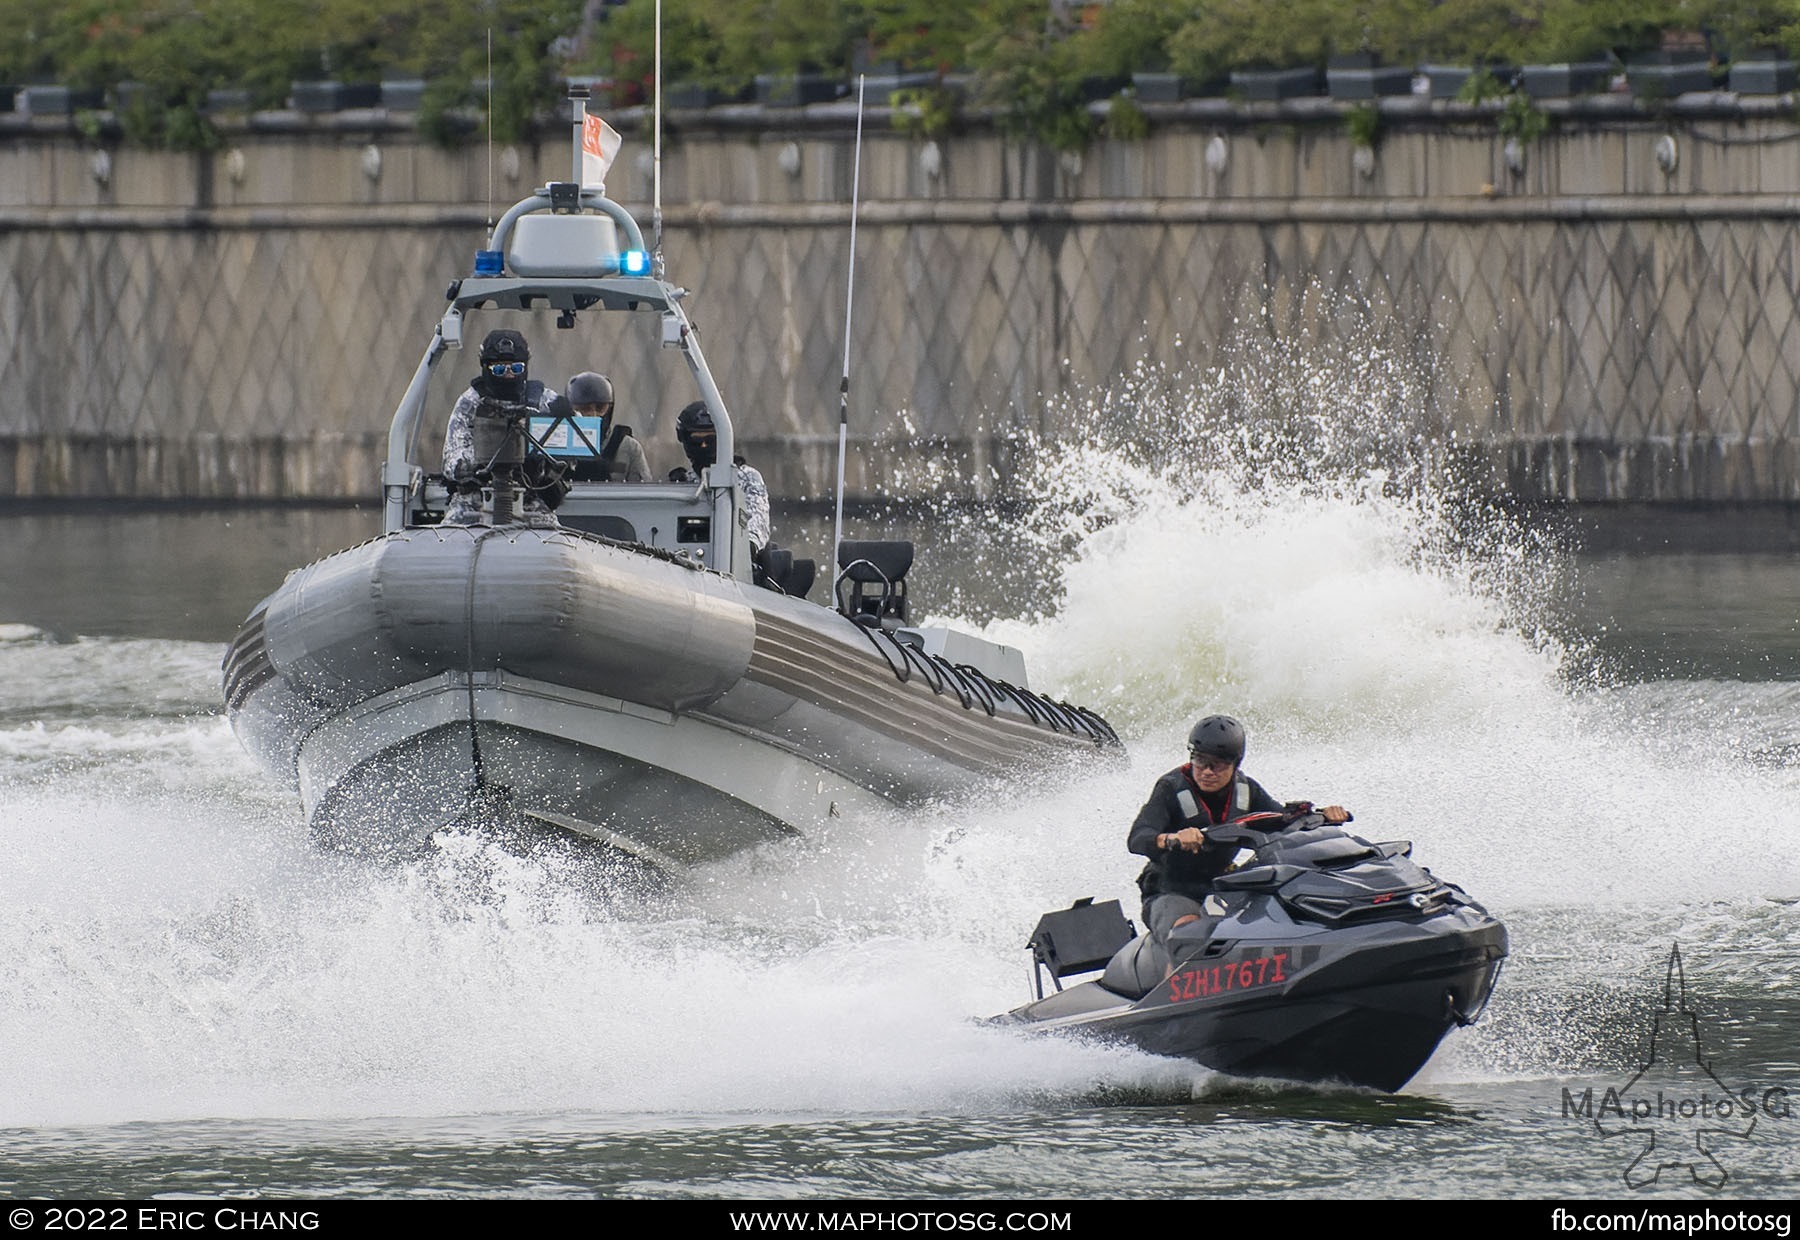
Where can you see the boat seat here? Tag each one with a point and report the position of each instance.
(778, 570)
(800, 579)
(871, 579)
(771, 564)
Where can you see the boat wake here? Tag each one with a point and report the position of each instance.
(179, 949)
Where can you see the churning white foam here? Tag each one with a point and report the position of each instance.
(176, 947)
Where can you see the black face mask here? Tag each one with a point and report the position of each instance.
(701, 451)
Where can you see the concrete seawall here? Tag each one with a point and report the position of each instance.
(1608, 314)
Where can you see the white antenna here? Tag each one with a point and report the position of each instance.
(656, 158)
(490, 120)
(837, 532)
(578, 97)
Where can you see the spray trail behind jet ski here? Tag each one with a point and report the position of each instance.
(1288, 540)
(180, 949)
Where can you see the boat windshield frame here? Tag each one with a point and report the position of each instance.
(403, 476)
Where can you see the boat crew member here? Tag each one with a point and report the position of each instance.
(622, 458)
(505, 360)
(1171, 828)
(700, 440)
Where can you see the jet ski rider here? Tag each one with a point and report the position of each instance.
(1170, 830)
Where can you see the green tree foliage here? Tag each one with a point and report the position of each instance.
(624, 49)
(1131, 36)
(452, 46)
(1238, 34)
(1036, 61)
(727, 43)
(1030, 68)
(1477, 32)
(179, 50)
(923, 35)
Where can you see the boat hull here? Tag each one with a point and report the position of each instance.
(627, 695)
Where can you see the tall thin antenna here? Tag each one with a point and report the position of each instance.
(837, 532)
(578, 97)
(490, 120)
(656, 158)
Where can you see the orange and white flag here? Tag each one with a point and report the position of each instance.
(600, 144)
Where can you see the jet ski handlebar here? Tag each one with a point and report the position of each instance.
(1255, 830)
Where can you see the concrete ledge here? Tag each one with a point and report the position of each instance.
(802, 469)
(323, 468)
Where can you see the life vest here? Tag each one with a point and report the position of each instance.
(609, 454)
(1195, 813)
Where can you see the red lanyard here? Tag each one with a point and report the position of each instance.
(1200, 796)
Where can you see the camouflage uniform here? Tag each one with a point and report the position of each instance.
(459, 450)
(756, 505)
(755, 508)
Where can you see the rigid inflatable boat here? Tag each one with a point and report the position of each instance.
(622, 667)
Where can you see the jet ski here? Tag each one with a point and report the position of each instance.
(1324, 958)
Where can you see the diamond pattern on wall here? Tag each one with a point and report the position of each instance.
(1617, 331)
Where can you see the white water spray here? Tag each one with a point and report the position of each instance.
(175, 947)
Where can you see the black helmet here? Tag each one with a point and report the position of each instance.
(1218, 736)
(694, 417)
(588, 388)
(699, 437)
(505, 345)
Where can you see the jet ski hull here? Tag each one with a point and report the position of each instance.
(1369, 1015)
(1267, 989)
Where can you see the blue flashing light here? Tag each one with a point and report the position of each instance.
(634, 263)
(489, 262)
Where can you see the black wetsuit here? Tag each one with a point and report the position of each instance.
(1175, 871)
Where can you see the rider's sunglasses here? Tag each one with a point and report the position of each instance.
(1207, 762)
(506, 370)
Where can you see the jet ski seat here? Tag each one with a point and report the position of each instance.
(1143, 964)
(1136, 968)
